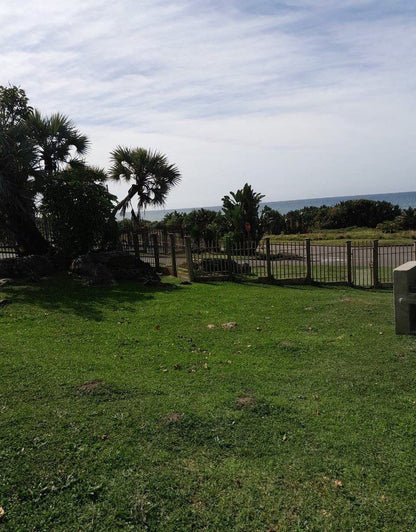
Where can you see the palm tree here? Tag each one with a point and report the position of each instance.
(152, 174)
(57, 141)
(17, 159)
(17, 211)
(32, 150)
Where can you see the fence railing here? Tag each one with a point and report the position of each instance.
(164, 251)
(7, 252)
(363, 264)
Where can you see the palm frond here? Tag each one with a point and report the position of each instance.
(151, 171)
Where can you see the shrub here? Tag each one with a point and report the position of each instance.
(80, 210)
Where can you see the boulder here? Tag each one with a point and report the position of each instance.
(103, 268)
(221, 265)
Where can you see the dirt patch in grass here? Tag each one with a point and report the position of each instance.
(229, 325)
(98, 390)
(174, 417)
(90, 386)
(244, 401)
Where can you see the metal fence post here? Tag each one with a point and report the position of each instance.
(376, 282)
(188, 250)
(156, 251)
(268, 263)
(308, 261)
(173, 254)
(349, 263)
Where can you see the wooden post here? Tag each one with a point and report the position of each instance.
(229, 259)
(136, 245)
(376, 282)
(165, 241)
(349, 263)
(308, 261)
(145, 239)
(268, 263)
(173, 254)
(156, 251)
(188, 250)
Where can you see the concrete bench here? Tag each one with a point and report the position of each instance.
(404, 288)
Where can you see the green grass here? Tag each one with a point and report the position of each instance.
(300, 418)
(340, 236)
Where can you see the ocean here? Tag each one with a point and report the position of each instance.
(403, 199)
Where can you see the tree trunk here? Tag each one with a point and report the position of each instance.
(29, 239)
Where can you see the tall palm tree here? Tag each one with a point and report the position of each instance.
(17, 211)
(32, 149)
(57, 141)
(152, 175)
(17, 158)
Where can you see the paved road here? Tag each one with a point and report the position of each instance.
(389, 256)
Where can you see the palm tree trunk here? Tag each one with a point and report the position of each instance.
(29, 239)
(125, 201)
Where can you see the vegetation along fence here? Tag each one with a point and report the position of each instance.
(362, 264)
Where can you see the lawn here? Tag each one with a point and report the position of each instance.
(132, 408)
(340, 236)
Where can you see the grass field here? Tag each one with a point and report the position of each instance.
(340, 236)
(120, 409)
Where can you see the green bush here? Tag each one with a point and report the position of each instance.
(80, 210)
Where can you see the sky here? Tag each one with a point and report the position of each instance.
(299, 98)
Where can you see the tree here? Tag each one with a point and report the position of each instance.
(405, 221)
(80, 210)
(17, 160)
(241, 211)
(360, 212)
(152, 175)
(33, 150)
(271, 221)
(14, 106)
(57, 144)
(174, 222)
(203, 223)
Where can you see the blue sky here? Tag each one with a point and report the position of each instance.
(299, 98)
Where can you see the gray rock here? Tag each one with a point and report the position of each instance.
(102, 268)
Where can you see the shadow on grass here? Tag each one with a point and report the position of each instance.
(65, 294)
(249, 283)
(300, 287)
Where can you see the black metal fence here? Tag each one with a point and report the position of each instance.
(7, 252)
(8, 246)
(362, 264)
(160, 249)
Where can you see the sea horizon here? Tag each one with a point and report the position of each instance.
(403, 199)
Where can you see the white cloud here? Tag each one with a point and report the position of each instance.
(300, 99)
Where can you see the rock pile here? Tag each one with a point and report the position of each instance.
(104, 268)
